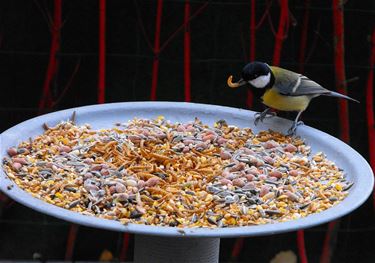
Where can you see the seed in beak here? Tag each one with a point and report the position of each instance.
(241, 82)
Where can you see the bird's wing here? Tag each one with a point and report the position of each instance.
(294, 84)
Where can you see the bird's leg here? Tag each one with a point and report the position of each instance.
(292, 130)
(260, 116)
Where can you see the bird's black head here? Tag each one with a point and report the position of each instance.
(257, 74)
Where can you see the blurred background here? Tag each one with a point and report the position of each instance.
(63, 53)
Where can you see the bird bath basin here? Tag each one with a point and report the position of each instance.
(171, 244)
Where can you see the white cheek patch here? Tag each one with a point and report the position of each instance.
(261, 81)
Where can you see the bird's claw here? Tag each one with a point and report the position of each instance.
(292, 130)
(260, 116)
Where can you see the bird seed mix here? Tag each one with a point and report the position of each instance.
(155, 172)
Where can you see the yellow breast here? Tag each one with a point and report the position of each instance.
(275, 100)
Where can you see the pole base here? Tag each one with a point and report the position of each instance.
(169, 249)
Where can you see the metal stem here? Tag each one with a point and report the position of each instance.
(169, 249)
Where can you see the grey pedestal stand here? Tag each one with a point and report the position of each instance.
(170, 249)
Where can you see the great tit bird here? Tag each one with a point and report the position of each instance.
(284, 90)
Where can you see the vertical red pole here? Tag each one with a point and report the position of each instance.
(280, 35)
(330, 235)
(125, 246)
(102, 49)
(300, 233)
(46, 99)
(252, 29)
(187, 53)
(305, 26)
(338, 31)
(249, 99)
(338, 23)
(155, 65)
(71, 242)
(238, 245)
(370, 107)
(301, 246)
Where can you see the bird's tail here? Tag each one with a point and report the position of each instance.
(339, 95)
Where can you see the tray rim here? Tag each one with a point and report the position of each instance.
(330, 214)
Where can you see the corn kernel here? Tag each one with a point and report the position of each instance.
(338, 187)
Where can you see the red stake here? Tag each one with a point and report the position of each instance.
(155, 65)
(238, 245)
(102, 40)
(280, 35)
(305, 26)
(249, 99)
(338, 23)
(125, 246)
(370, 108)
(70, 242)
(330, 235)
(252, 30)
(300, 233)
(187, 52)
(301, 246)
(338, 28)
(46, 99)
